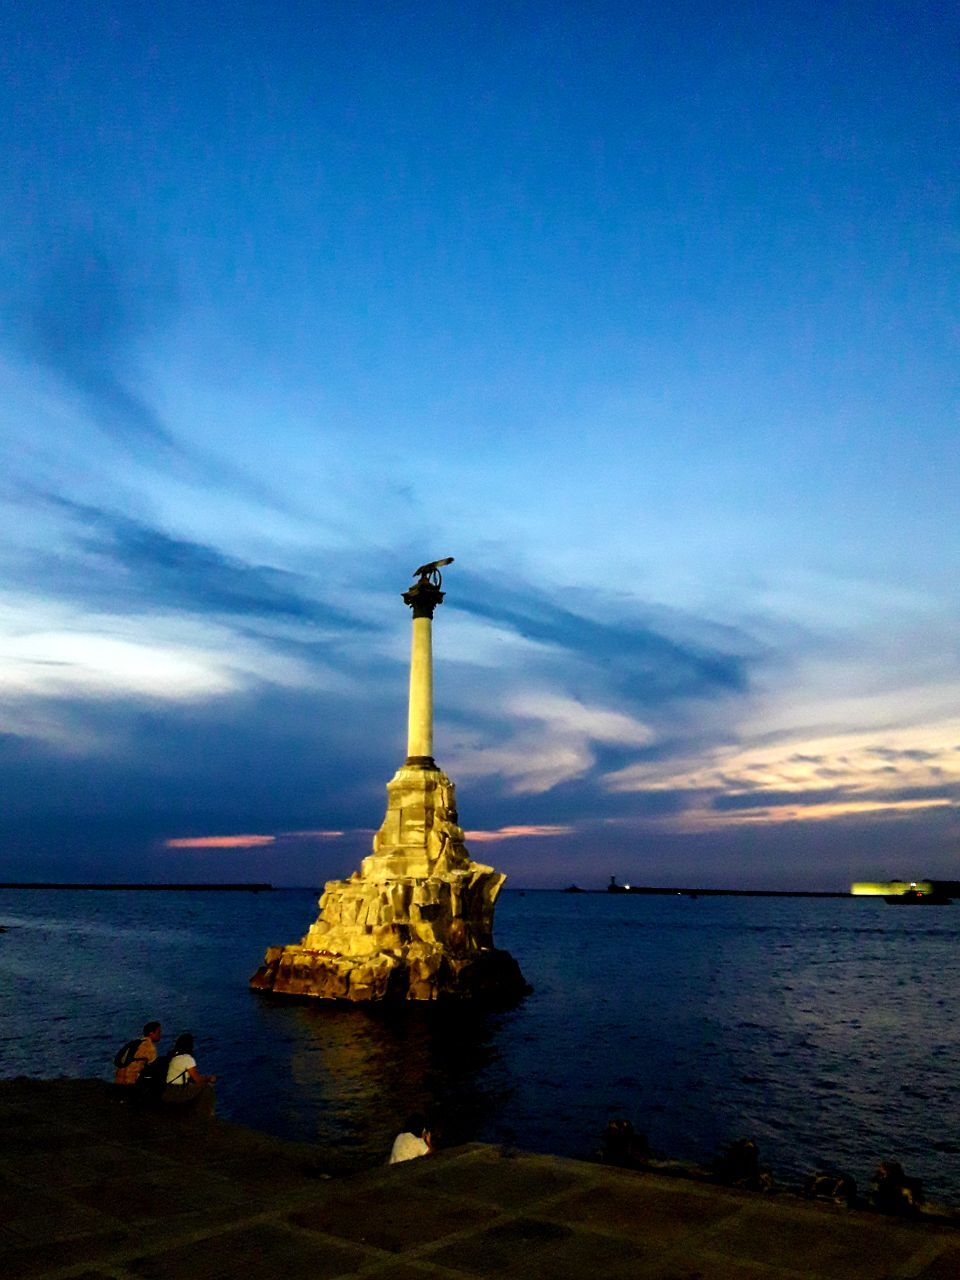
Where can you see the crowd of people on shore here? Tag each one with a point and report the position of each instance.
(892, 1191)
(143, 1073)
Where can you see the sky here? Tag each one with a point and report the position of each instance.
(646, 314)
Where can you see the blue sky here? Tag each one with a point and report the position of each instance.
(646, 314)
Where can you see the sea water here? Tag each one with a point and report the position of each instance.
(825, 1029)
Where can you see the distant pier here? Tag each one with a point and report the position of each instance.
(166, 888)
(686, 892)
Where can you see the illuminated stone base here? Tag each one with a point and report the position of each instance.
(415, 923)
(490, 976)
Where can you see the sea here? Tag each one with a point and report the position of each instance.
(828, 1030)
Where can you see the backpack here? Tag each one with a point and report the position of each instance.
(123, 1057)
(152, 1080)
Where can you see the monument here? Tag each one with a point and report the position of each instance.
(416, 921)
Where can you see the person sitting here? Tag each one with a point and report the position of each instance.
(413, 1142)
(146, 1051)
(623, 1146)
(184, 1081)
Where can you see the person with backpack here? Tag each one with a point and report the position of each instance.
(135, 1054)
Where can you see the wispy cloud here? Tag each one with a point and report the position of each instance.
(247, 841)
(56, 656)
(523, 832)
(311, 835)
(637, 656)
(808, 809)
(88, 311)
(51, 652)
(220, 842)
(547, 739)
(584, 689)
(147, 567)
(805, 780)
(81, 312)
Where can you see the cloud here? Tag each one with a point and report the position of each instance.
(550, 739)
(575, 696)
(912, 754)
(833, 799)
(280, 839)
(85, 310)
(81, 312)
(312, 835)
(57, 662)
(146, 566)
(804, 809)
(561, 733)
(220, 842)
(529, 763)
(645, 663)
(254, 760)
(568, 716)
(52, 655)
(526, 832)
(783, 781)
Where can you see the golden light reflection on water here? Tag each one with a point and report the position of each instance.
(376, 1067)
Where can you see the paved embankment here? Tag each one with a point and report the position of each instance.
(91, 1188)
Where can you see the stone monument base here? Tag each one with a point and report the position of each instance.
(490, 976)
(414, 923)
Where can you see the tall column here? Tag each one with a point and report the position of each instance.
(423, 598)
(420, 713)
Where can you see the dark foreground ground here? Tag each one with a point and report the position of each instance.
(90, 1188)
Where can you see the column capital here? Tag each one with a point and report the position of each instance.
(423, 597)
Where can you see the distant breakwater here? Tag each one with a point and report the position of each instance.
(169, 888)
(688, 892)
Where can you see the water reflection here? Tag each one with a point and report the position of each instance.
(366, 1070)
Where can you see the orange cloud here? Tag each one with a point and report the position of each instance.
(888, 772)
(515, 833)
(219, 842)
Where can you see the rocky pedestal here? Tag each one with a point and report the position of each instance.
(414, 923)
